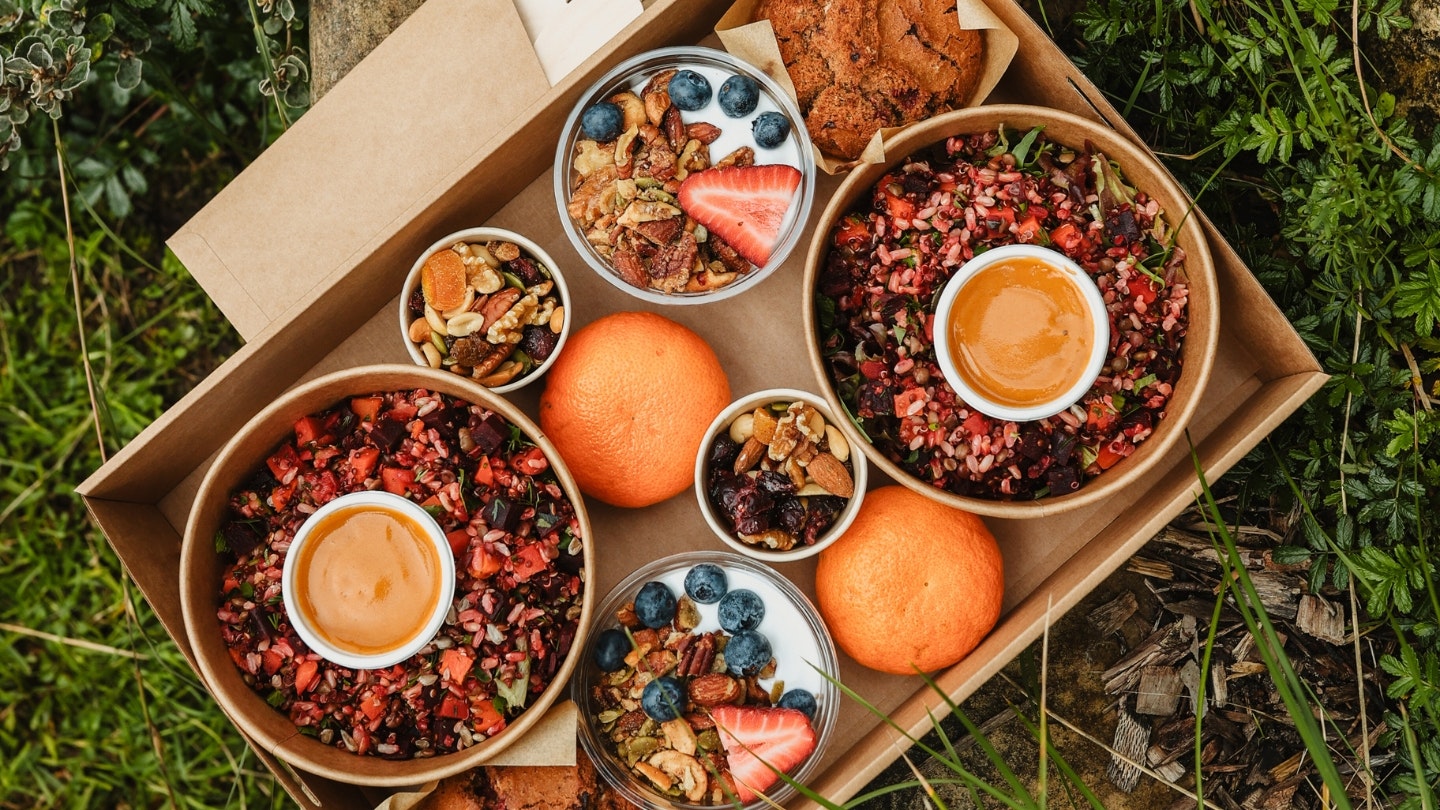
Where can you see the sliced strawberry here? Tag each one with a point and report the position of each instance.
(753, 737)
(743, 205)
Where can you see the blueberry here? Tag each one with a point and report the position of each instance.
(655, 605)
(611, 647)
(706, 583)
(747, 653)
(663, 699)
(738, 96)
(741, 609)
(602, 122)
(801, 700)
(770, 129)
(689, 90)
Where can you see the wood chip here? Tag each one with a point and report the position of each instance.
(1159, 691)
(1111, 616)
(1171, 771)
(1150, 568)
(1131, 740)
(1164, 646)
(1321, 619)
(1190, 676)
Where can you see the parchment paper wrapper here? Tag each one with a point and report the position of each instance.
(566, 33)
(755, 43)
(552, 741)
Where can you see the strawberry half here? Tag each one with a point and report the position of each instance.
(753, 737)
(744, 205)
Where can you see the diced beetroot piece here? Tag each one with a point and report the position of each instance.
(1062, 479)
(538, 342)
(387, 433)
(242, 538)
(488, 432)
(502, 513)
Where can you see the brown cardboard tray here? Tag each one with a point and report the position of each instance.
(307, 249)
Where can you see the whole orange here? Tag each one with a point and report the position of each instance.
(627, 404)
(911, 584)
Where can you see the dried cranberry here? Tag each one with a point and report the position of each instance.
(820, 517)
(527, 269)
(723, 452)
(751, 501)
(724, 491)
(752, 524)
(790, 515)
(775, 483)
(417, 303)
(538, 342)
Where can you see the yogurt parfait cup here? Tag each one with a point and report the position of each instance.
(696, 745)
(684, 176)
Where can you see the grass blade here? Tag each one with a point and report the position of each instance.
(1257, 621)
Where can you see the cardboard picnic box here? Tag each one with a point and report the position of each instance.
(451, 123)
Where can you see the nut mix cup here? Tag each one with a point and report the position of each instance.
(1140, 171)
(561, 294)
(717, 522)
(637, 69)
(201, 566)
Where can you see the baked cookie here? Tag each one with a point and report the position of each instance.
(861, 65)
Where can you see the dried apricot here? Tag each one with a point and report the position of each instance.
(443, 280)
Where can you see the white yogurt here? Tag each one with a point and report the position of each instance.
(791, 640)
(734, 132)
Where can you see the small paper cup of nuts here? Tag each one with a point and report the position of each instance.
(775, 476)
(486, 303)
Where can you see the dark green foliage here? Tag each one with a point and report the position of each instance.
(1263, 98)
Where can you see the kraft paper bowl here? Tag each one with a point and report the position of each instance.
(1140, 170)
(201, 571)
(720, 524)
(632, 75)
(559, 295)
(801, 643)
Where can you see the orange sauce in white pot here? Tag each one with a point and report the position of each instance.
(1020, 333)
(367, 579)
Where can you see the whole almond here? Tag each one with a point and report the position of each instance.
(830, 473)
(749, 455)
(714, 689)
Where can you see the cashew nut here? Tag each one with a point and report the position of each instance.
(684, 770)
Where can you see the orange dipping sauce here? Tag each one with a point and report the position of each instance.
(367, 579)
(1020, 333)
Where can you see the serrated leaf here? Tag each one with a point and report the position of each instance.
(1291, 555)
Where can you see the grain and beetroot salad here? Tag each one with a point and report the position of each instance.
(889, 259)
(518, 558)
